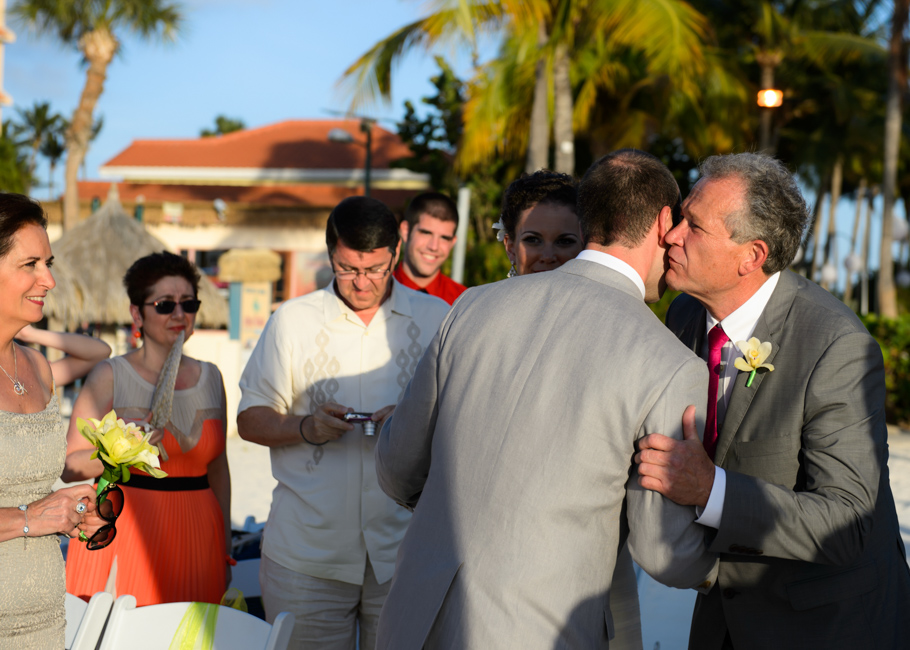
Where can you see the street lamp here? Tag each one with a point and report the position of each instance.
(768, 98)
(343, 137)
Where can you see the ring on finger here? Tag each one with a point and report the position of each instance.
(82, 536)
(80, 507)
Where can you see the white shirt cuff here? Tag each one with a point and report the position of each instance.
(710, 515)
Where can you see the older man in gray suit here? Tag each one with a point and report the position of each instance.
(515, 437)
(799, 505)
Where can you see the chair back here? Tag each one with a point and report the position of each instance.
(153, 627)
(85, 621)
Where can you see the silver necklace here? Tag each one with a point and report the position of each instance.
(17, 385)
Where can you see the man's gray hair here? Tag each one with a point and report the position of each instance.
(774, 209)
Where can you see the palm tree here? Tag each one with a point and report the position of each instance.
(92, 27)
(897, 84)
(790, 35)
(97, 125)
(541, 44)
(53, 149)
(33, 127)
(14, 175)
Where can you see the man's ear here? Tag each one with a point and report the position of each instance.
(664, 223)
(754, 258)
(403, 229)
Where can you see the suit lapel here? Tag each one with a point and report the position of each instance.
(769, 327)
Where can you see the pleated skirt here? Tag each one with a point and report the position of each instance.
(169, 547)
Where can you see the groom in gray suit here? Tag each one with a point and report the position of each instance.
(515, 437)
(799, 505)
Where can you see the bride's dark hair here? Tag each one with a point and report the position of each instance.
(528, 190)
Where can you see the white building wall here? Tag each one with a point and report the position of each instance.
(220, 237)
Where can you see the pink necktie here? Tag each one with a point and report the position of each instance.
(716, 339)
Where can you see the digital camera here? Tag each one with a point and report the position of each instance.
(369, 427)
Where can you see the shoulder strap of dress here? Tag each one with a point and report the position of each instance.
(129, 391)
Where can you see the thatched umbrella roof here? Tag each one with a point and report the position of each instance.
(66, 302)
(98, 252)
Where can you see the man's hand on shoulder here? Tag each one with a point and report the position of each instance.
(678, 469)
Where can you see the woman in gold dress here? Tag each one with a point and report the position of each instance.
(32, 445)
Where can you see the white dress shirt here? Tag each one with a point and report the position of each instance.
(328, 512)
(605, 259)
(739, 326)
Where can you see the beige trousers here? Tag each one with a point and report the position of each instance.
(327, 611)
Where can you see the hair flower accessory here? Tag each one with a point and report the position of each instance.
(755, 352)
(501, 227)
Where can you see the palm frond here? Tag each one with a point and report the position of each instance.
(370, 77)
(823, 48)
(669, 33)
(69, 20)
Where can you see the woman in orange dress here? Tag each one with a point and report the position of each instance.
(173, 537)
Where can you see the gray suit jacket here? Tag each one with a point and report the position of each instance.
(514, 441)
(811, 553)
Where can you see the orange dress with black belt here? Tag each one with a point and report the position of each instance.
(170, 544)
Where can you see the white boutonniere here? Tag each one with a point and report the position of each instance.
(754, 352)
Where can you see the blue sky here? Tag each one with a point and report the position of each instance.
(262, 61)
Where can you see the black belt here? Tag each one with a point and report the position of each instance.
(168, 483)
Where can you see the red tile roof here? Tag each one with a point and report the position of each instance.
(314, 196)
(295, 144)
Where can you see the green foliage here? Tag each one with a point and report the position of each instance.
(53, 149)
(893, 335)
(14, 175)
(661, 306)
(223, 125)
(485, 262)
(71, 20)
(433, 138)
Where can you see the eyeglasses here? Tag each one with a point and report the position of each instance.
(168, 306)
(369, 274)
(110, 505)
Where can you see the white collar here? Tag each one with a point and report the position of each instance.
(397, 302)
(611, 262)
(740, 325)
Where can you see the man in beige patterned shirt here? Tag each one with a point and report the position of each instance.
(330, 543)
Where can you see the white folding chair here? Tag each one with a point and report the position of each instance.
(85, 621)
(153, 627)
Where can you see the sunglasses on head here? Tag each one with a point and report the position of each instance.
(110, 505)
(168, 306)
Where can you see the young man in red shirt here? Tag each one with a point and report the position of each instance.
(428, 230)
